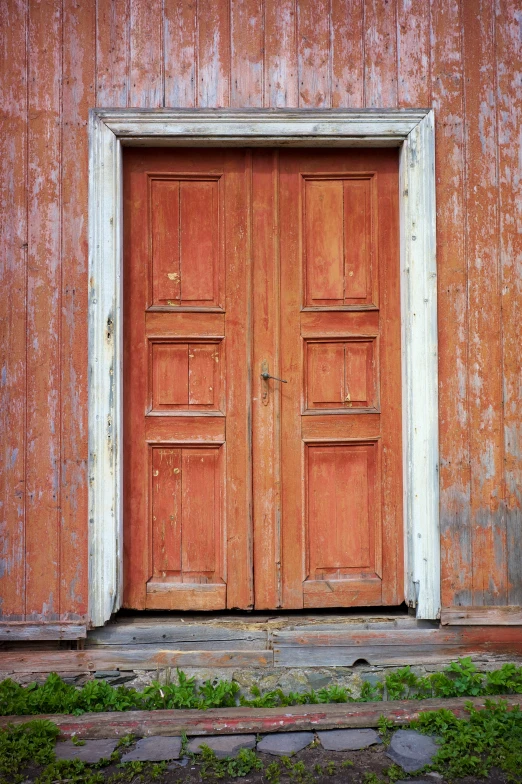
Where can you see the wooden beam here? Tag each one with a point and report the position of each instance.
(146, 658)
(482, 616)
(334, 648)
(20, 630)
(226, 721)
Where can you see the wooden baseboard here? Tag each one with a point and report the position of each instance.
(146, 658)
(22, 630)
(227, 721)
(482, 616)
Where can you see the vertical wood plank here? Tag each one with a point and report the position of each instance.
(485, 360)
(266, 400)
(380, 53)
(413, 53)
(201, 506)
(78, 96)
(213, 54)
(455, 488)
(509, 113)
(146, 54)
(13, 271)
(112, 53)
(43, 316)
(347, 54)
(281, 69)
(180, 53)
(166, 510)
(313, 41)
(246, 53)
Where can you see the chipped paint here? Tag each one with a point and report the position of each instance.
(398, 53)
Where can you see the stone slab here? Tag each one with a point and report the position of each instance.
(92, 751)
(411, 750)
(222, 745)
(284, 744)
(157, 748)
(348, 740)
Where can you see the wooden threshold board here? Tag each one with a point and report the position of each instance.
(227, 721)
(212, 645)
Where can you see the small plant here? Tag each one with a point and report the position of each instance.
(273, 773)
(371, 778)
(330, 768)
(77, 741)
(394, 773)
(23, 744)
(125, 741)
(385, 727)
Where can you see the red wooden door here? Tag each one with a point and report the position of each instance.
(240, 263)
(187, 465)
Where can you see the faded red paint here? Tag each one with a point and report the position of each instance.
(59, 59)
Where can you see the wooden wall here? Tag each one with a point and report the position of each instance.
(61, 57)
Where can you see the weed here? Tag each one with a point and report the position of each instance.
(371, 778)
(346, 764)
(460, 678)
(23, 744)
(125, 741)
(394, 773)
(70, 771)
(385, 728)
(241, 765)
(273, 773)
(330, 768)
(490, 737)
(157, 770)
(77, 741)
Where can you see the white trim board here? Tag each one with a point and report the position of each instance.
(412, 131)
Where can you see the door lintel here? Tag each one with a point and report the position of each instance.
(412, 130)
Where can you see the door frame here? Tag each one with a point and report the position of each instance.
(413, 132)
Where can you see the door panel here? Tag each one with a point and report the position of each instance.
(341, 470)
(187, 539)
(244, 490)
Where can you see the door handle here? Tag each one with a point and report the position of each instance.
(265, 375)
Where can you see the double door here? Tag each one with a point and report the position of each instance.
(262, 379)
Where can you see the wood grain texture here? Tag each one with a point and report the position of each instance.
(146, 53)
(346, 53)
(281, 70)
(140, 658)
(313, 42)
(246, 53)
(455, 478)
(13, 312)
(228, 721)
(482, 616)
(508, 33)
(44, 305)
(111, 52)
(413, 52)
(380, 53)
(41, 631)
(78, 95)
(180, 27)
(489, 545)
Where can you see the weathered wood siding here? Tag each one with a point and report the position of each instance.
(60, 57)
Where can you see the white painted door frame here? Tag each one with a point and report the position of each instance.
(412, 130)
